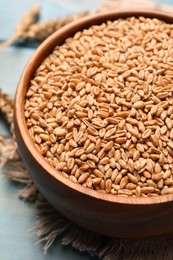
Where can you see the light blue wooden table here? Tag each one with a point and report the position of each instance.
(16, 216)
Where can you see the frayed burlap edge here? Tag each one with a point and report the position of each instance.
(51, 224)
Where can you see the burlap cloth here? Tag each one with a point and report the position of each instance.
(50, 223)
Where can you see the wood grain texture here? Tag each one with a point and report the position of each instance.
(105, 214)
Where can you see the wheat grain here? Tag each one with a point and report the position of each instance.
(100, 108)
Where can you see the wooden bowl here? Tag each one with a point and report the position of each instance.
(109, 215)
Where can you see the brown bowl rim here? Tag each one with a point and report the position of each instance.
(40, 53)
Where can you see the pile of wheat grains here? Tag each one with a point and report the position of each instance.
(100, 107)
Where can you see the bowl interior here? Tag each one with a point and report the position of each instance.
(40, 54)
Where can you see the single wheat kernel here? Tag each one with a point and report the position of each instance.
(83, 177)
